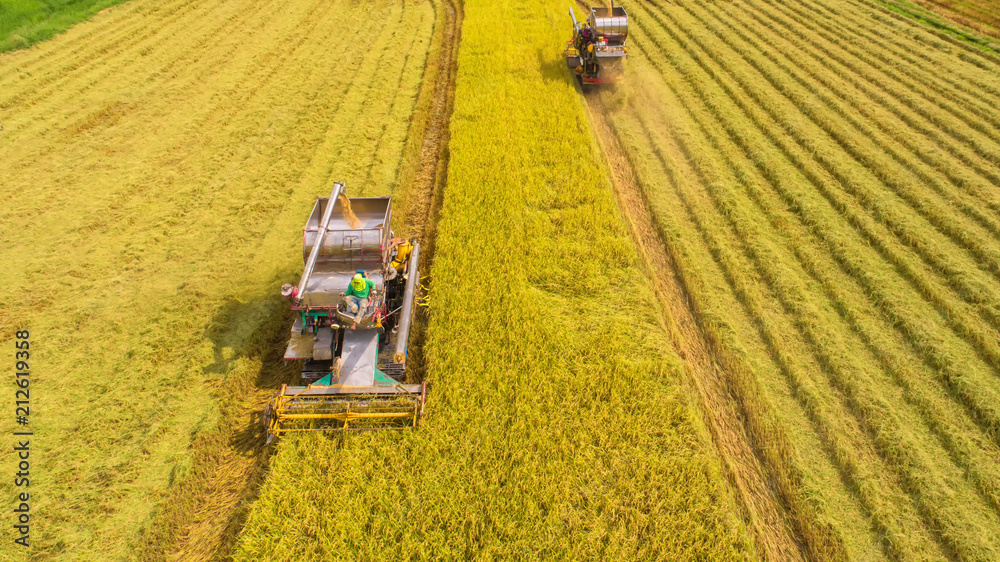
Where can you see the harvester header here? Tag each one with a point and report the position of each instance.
(354, 297)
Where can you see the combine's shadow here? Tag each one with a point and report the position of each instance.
(248, 339)
(553, 66)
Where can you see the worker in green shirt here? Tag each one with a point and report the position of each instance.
(358, 295)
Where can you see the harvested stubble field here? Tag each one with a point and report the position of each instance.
(557, 424)
(157, 165)
(823, 176)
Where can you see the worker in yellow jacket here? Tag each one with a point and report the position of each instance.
(403, 250)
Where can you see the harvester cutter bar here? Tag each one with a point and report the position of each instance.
(331, 408)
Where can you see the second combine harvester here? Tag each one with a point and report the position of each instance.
(355, 376)
(596, 52)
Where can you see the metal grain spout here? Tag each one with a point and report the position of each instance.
(324, 224)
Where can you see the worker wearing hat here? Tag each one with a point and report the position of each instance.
(587, 34)
(403, 250)
(357, 296)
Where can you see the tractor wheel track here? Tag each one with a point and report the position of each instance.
(761, 507)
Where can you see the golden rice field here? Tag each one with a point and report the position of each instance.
(743, 306)
(557, 424)
(157, 164)
(824, 176)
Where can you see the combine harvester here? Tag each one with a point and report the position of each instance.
(356, 376)
(596, 52)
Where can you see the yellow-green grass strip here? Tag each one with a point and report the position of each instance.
(25, 22)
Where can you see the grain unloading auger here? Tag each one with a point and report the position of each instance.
(596, 52)
(354, 368)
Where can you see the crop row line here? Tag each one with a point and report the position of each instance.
(930, 510)
(961, 437)
(980, 191)
(893, 48)
(954, 370)
(873, 27)
(973, 55)
(846, 140)
(856, 384)
(883, 418)
(769, 434)
(954, 275)
(735, 135)
(924, 56)
(889, 440)
(873, 412)
(843, 439)
(770, 121)
(764, 505)
(928, 109)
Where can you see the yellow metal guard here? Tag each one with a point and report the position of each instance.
(337, 408)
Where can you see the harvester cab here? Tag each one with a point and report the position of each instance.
(596, 52)
(353, 351)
